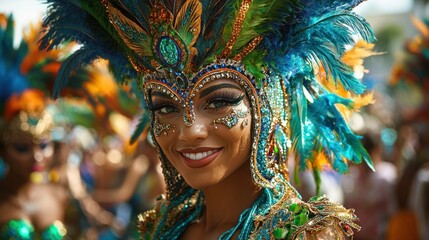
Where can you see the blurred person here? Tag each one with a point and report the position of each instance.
(111, 173)
(32, 203)
(404, 214)
(371, 193)
(410, 77)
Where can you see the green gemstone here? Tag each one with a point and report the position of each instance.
(280, 233)
(169, 52)
(300, 219)
(276, 149)
(295, 208)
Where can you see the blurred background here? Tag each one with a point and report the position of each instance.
(392, 202)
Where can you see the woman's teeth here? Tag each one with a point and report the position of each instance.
(197, 156)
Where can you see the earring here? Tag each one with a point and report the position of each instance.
(3, 168)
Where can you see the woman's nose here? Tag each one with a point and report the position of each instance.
(194, 132)
(38, 155)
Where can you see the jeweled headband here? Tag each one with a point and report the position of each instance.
(37, 127)
(272, 47)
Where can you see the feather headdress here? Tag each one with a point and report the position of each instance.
(26, 76)
(273, 49)
(284, 40)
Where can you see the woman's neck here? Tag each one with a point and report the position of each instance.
(11, 184)
(227, 200)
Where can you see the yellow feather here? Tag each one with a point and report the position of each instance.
(142, 46)
(421, 26)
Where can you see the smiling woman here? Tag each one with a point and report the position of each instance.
(233, 88)
(216, 144)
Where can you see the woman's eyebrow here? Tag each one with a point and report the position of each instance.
(210, 89)
(159, 94)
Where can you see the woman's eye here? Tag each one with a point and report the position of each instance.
(43, 145)
(218, 104)
(167, 109)
(163, 107)
(215, 103)
(21, 148)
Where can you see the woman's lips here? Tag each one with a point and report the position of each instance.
(198, 158)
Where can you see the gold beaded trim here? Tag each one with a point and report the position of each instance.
(236, 29)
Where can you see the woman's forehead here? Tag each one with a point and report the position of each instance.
(207, 88)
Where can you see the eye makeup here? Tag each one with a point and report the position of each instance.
(162, 103)
(222, 99)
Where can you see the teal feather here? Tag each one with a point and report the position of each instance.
(215, 14)
(326, 41)
(75, 61)
(335, 136)
(64, 22)
(302, 135)
(141, 127)
(144, 121)
(137, 11)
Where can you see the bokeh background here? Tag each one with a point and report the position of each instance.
(393, 202)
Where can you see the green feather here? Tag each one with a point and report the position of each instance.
(229, 25)
(269, 15)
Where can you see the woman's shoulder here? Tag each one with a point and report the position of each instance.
(318, 218)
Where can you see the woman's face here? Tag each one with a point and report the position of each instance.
(216, 144)
(23, 156)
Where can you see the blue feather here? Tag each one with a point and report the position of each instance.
(314, 8)
(11, 79)
(326, 41)
(86, 23)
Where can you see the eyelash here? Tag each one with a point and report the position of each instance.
(160, 105)
(226, 99)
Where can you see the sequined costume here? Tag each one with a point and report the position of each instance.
(275, 51)
(23, 230)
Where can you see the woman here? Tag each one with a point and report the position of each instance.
(32, 205)
(231, 87)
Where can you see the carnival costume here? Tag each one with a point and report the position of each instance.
(272, 49)
(25, 72)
